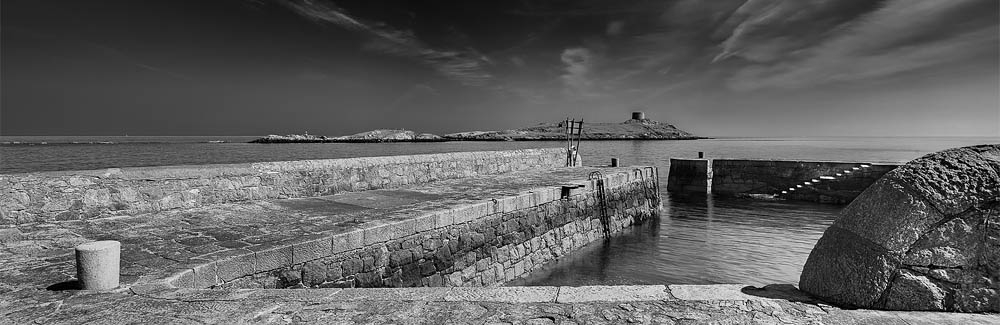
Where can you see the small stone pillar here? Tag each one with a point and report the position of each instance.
(97, 265)
(614, 162)
(638, 116)
(701, 155)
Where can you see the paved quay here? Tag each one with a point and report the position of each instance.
(650, 304)
(38, 255)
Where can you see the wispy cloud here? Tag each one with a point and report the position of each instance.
(466, 66)
(579, 65)
(901, 36)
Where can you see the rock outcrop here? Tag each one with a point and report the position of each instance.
(380, 135)
(926, 236)
(633, 129)
(637, 128)
(388, 135)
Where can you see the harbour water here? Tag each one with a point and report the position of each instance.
(697, 241)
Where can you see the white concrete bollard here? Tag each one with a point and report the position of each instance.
(97, 265)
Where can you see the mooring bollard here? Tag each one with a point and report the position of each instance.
(97, 265)
(701, 155)
(614, 162)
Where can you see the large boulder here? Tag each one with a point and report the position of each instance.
(925, 236)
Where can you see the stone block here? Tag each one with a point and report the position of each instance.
(519, 268)
(424, 223)
(347, 241)
(184, 280)
(508, 204)
(273, 258)
(400, 257)
(368, 263)
(379, 233)
(390, 294)
(334, 271)
(289, 278)
(481, 210)
(444, 218)
(205, 275)
(352, 266)
(463, 214)
(503, 294)
(613, 293)
(525, 201)
(235, 267)
(314, 273)
(311, 250)
(489, 278)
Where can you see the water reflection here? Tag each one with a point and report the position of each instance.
(700, 240)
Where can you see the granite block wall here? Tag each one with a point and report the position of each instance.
(736, 177)
(74, 195)
(690, 176)
(483, 244)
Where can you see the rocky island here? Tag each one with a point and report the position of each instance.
(380, 135)
(636, 128)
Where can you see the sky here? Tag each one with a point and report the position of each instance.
(772, 68)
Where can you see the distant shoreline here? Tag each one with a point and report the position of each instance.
(333, 140)
(636, 128)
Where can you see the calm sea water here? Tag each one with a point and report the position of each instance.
(697, 241)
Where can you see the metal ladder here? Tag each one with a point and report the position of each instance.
(602, 199)
(652, 199)
(574, 128)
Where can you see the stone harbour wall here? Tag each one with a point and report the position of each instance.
(483, 244)
(75, 195)
(817, 181)
(690, 176)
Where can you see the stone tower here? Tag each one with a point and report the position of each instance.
(638, 116)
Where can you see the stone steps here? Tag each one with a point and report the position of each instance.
(813, 181)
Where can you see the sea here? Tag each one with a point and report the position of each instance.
(705, 240)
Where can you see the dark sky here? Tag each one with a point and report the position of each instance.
(716, 68)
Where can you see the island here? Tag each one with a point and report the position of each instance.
(636, 128)
(380, 135)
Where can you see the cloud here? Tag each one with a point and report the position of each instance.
(899, 37)
(579, 65)
(615, 28)
(768, 30)
(467, 66)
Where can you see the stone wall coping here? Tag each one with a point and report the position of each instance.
(724, 160)
(560, 294)
(257, 259)
(213, 170)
